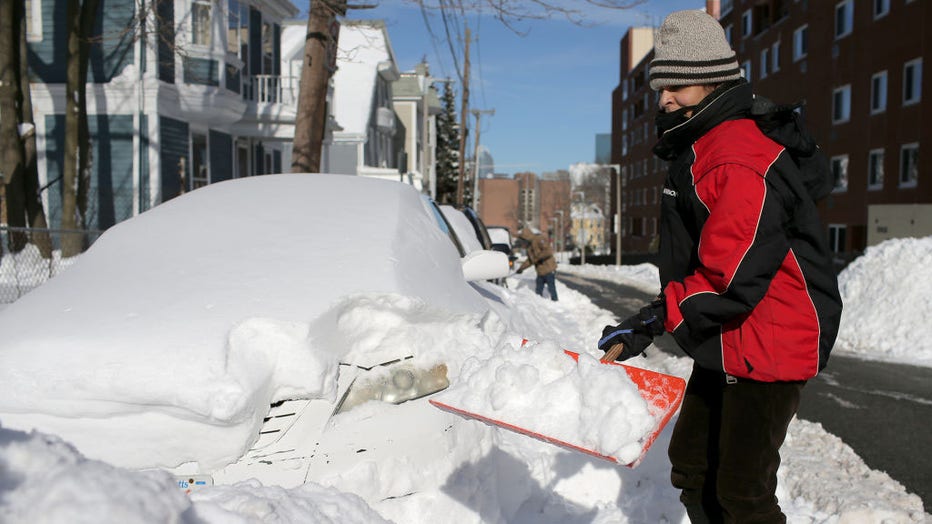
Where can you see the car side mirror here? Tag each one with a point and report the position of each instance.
(485, 265)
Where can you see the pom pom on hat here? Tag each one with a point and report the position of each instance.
(690, 48)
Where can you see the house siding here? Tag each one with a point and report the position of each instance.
(174, 139)
(48, 58)
(110, 195)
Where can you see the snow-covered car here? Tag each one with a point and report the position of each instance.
(493, 264)
(502, 241)
(166, 343)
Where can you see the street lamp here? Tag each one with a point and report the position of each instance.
(617, 224)
(554, 221)
(582, 229)
(562, 237)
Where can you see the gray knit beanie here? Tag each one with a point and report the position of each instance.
(689, 49)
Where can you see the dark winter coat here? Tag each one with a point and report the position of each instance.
(746, 274)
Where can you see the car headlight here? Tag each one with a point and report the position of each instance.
(397, 383)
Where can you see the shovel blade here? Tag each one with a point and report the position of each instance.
(662, 392)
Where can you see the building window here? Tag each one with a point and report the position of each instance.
(836, 237)
(879, 93)
(881, 8)
(200, 22)
(200, 172)
(746, 70)
(775, 57)
(238, 30)
(841, 104)
(912, 81)
(233, 27)
(800, 43)
(747, 24)
(33, 20)
(727, 6)
(729, 29)
(909, 165)
(844, 18)
(875, 169)
(840, 173)
(267, 49)
(764, 62)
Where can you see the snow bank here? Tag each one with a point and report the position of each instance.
(44, 479)
(887, 295)
(645, 277)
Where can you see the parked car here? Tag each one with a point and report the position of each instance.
(478, 263)
(475, 242)
(500, 237)
(481, 232)
(247, 329)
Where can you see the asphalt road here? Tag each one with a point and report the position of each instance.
(882, 411)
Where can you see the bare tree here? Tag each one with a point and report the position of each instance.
(77, 163)
(18, 169)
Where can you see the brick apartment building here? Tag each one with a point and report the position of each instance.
(857, 65)
(528, 199)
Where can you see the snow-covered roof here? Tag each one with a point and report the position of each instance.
(293, 37)
(364, 52)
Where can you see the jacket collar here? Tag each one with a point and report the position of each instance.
(729, 101)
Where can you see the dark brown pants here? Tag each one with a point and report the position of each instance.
(725, 447)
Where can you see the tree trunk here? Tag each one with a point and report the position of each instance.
(35, 213)
(11, 149)
(70, 244)
(311, 119)
(88, 17)
(76, 169)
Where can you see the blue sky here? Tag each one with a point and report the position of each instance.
(550, 88)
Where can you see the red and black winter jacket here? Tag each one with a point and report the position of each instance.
(746, 274)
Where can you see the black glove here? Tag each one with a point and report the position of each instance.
(519, 270)
(636, 332)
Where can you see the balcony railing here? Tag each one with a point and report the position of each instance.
(271, 89)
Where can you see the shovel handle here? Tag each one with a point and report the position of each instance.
(612, 353)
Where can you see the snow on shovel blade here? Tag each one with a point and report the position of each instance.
(662, 393)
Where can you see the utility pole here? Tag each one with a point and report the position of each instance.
(617, 222)
(475, 156)
(463, 120)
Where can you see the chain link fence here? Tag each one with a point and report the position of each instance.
(38, 258)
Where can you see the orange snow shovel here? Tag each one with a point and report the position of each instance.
(662, 392)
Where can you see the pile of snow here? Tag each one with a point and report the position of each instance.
(516, 480)
(590, 405)
(887, 296)
(645, 277)
(165, 343)
(45, 479)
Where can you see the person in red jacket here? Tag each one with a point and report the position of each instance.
(748, 289)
